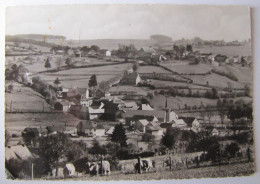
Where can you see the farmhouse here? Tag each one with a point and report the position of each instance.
(133, 115)
(141, 124)
(108, 53)
(192, 122)
(99, 130)
(54, 129)
(85, 127)
(155, 130)
(62, 106)
(130, 78)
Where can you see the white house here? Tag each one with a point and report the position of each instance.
(108, 53)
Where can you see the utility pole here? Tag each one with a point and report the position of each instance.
(32, 171)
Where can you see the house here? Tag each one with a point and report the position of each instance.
(164, 126)
(78, 54)
(192, 122)
(133, 115)
(62, 106)
(18, 152)
(130, 78)
(141, 124)
(95, 113)
(92, 52)
(108, 53)
(54, 129)
(179, 123)
(214, 132)
(155, 130)
(110, 131)
(130, 105)
(85, 127)
(145, 107)
(220, 58)
(99, 130)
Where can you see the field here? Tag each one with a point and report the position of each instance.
(16, 122)
(151, 69)
(244, 50)
(80, 77)
(24, 98)
(232, 170)
(216, 81)
(134, 89)
(183, 67)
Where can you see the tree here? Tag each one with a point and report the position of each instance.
(231, 150)
(119, 135)
(58, 63)
(7, 137)
(57, 82)
(96, 149)
(47, 64)
(53, 147)
(68, 62)
(214, 152)
(95, 47)
(169, 138)
(92, 81)
(135, 67)
(104, 86)
(189, 48)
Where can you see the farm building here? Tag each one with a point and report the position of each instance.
(108, 53)
(85, 127)
(191, 122)
(130, 79)
(54, 129)
(146, 107)
(133, 115)
(62, 105)
(99, 130)
(155, 130)
(141, 124)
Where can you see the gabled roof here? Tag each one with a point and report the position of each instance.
(153, 128)
(166, 125)
(99, 126)
(144, 122)
(84, 124)
(153, 124)
(55, 128)
(146, 107)
(110, 130)
(17, 152)
(188, 120)
(179, 122)
(157, 114)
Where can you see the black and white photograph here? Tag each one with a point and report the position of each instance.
(103, 92)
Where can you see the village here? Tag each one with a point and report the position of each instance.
(123, 104)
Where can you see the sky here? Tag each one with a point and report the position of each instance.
(131, 21)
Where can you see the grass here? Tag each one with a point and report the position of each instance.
(244, 50)
(80, 77)
(15, 123)
(137, 90)
(184, 67)
(216, 81)
(151, 69)
(158, 101)
(24, 98)
(233, 170)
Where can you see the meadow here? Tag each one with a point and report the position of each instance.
(244, 50)
(232, 170)
(79, 77)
